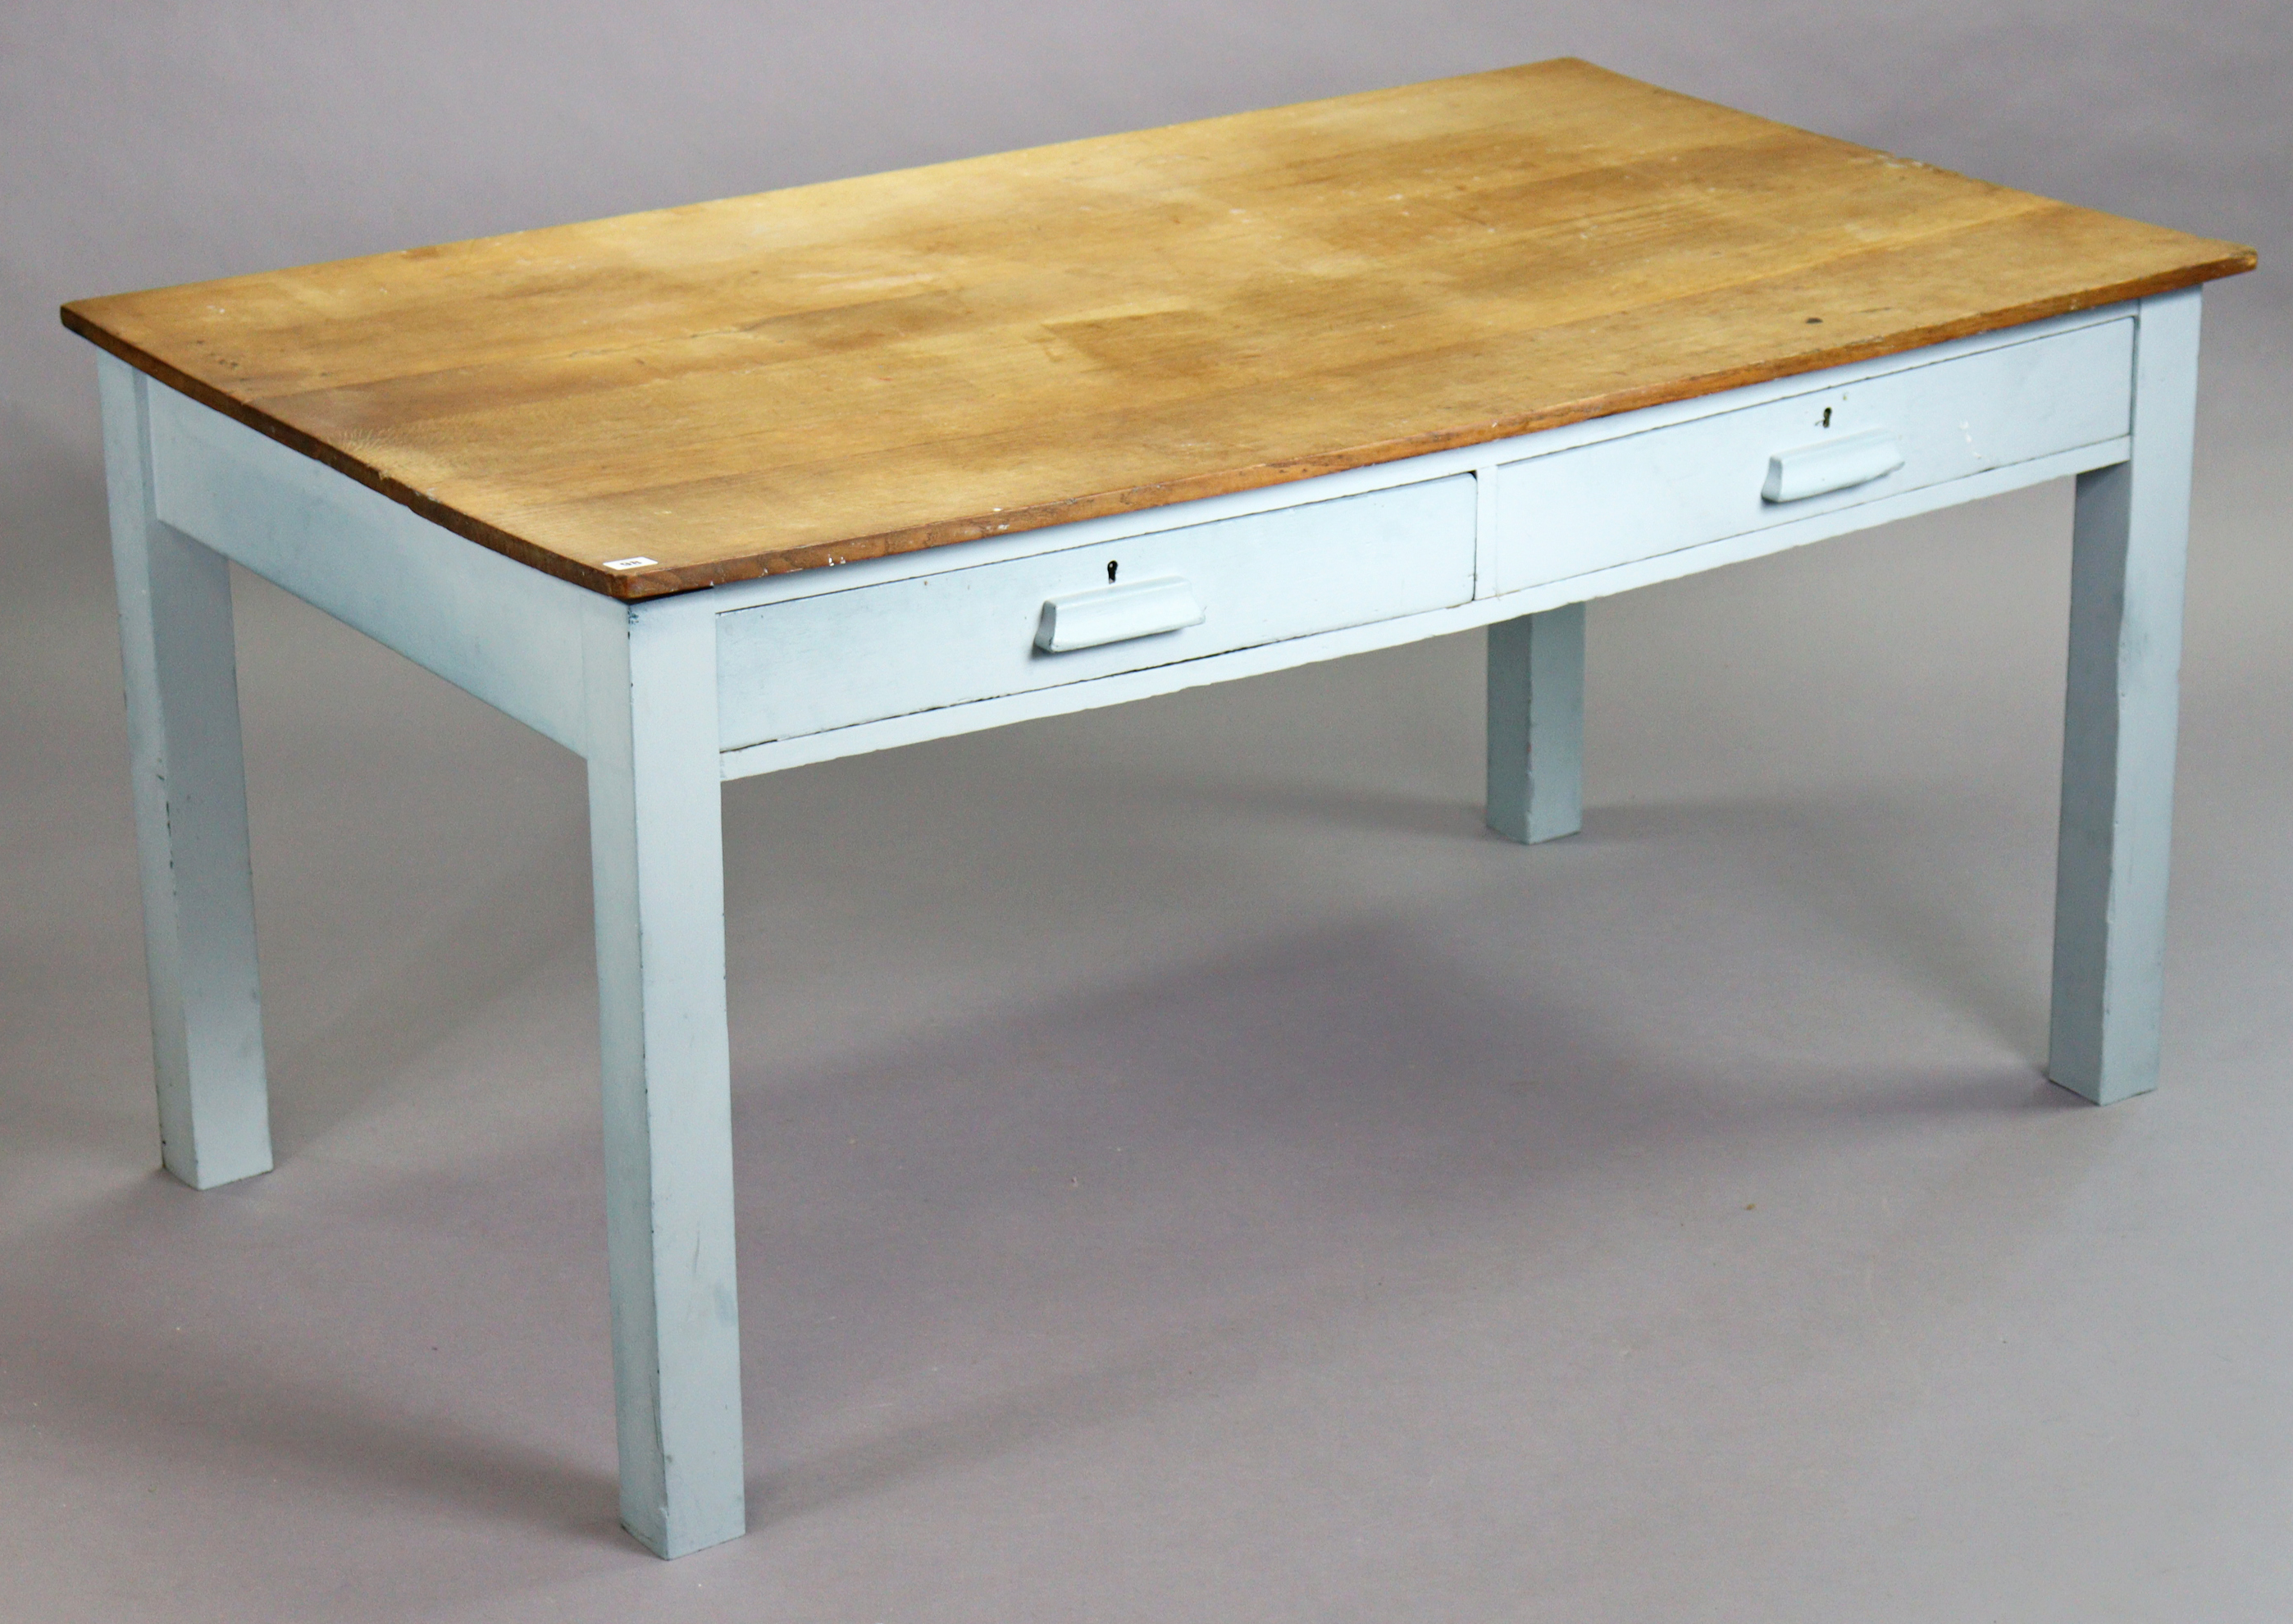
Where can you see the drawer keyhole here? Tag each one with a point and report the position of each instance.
(1827, 418)
(1110, 568)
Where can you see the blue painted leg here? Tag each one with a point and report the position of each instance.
(190, 817)
(1537, 725)
(2120, 718)
(657, 853)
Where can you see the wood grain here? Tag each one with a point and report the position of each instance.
(902, 360)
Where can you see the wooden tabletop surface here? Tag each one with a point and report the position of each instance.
(902, 360)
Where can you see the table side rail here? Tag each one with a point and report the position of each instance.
(492, 627)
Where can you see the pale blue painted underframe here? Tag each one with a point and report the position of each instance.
(634, 688)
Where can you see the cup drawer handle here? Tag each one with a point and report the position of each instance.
(1116, 614)
(1831, 464)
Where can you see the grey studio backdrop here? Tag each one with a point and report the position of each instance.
(1189, 1170)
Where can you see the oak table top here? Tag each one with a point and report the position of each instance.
(838, 371)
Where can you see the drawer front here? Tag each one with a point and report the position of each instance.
(866, 653)
(1660, 490)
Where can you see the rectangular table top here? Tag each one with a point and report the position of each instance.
(833, 372)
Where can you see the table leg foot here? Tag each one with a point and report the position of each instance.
(2119, 718)
(657, 854)
(181, 681)
(1537, 725)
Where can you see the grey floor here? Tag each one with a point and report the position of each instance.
(1189, 1170)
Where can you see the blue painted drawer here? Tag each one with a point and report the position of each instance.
(835, 659)
(1640, 494)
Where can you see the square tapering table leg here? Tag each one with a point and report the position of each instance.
(657, 853)
(2120, 718)
(181, 678)
(1537, 725)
